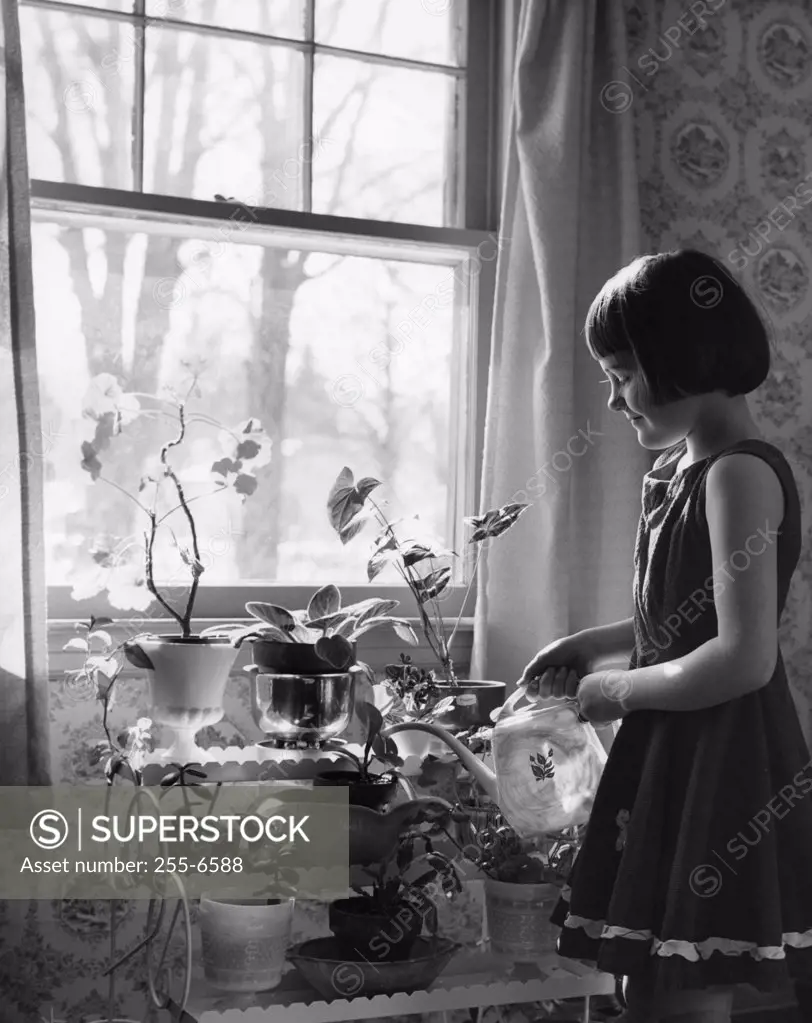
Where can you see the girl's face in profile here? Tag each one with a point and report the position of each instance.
(657, 426)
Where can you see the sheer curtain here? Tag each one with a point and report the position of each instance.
(570, 219)
(24, 746)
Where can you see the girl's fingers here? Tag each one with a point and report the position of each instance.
(572, 683)
(546, 682)
(558, 680)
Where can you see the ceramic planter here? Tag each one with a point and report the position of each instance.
(244, 942)
(489, 696)
(273, 657)
(187, 686)
(378, 934)
(518, 917)
(375, 794)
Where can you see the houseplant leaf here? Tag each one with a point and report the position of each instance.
(415, 551)
(335, 650)
(433, 584)
(273, 614)
(345, 503)
(494, 522)
(325, 601)
(386, 550)
(135, 655)
(375, 608)
(405, 632)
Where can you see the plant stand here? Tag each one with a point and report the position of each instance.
(473, 979)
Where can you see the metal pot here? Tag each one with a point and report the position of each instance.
(296, 707)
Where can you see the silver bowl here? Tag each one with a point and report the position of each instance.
(290, 708)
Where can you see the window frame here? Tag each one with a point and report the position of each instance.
(480, 126)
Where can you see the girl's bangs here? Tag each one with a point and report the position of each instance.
(605, 328)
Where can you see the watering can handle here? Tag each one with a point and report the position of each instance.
(509, 705)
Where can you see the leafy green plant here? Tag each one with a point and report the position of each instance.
(129, 584)
(350, 506)
(377, 748)
(102, 662)
(324, 622)
(502, 855)
(392, 885)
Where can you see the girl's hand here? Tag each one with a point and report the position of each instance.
(546, 674)
(558, 683)
(598, 702)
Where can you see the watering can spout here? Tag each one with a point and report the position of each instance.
(482, 774)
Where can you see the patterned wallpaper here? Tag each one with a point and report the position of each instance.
(721, 95)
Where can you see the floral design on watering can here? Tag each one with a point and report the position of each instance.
(541, 766)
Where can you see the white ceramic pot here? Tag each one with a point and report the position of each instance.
(187, 687)
(518, 917)
(244, 942)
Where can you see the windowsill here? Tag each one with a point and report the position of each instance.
(376, 648)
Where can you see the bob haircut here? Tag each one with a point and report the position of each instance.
(691, 327)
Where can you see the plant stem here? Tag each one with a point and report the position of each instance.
(217, 490)
(186, 620)
(153, 589)
(465, 598)
(429, 630)
(126, 493)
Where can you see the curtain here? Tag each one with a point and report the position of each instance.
(570, 220)
(24, 745)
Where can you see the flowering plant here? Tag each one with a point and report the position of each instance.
(131, 584)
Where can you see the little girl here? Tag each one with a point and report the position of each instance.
(695, 874)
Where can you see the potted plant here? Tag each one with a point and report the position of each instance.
(244, 941)
(411, 693)
(383, 924)
(368, 785)
(523, 882)
(424, 568)
(320, 638)
(188, 672)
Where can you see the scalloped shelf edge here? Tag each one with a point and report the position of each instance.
(442, 995)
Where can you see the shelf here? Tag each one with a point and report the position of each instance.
(261, 763)
(461, 986)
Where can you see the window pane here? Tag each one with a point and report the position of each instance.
(223, 116)
(427, 30)
(79, 82)
(346, 360)
(388, 147)
(270, 17)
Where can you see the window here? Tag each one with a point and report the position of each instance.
(292, 198)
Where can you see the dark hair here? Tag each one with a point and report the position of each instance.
(691, 326)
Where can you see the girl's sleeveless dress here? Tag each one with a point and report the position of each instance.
(696, 866)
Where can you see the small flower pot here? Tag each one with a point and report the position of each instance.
(273, 657)
(518, 917)
(376, 934)
(375, 794)
(244, 942)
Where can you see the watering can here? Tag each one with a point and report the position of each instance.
(547, 764)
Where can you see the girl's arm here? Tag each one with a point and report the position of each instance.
(609, 641)
(744, 507)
